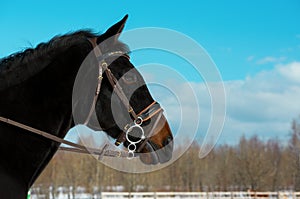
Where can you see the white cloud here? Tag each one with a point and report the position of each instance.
(225, 49)
(250, 58)
(287, 50)
(263, 104)
(270, 59)
(291, 71)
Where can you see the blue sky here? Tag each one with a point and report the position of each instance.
(255, 45)
(231, 31)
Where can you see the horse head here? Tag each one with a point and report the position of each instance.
(132, 117)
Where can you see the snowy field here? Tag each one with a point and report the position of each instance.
(174, 195)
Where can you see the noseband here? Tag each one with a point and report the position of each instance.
(136, 125)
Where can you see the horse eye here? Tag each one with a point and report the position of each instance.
(129, 78)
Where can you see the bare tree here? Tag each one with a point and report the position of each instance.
(224, 167)
(254, 166)
(294, 147)
(274, 156)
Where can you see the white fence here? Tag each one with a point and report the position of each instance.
(178, 195)
(201, 195)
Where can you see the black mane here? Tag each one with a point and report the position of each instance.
(22, 65)
(58, 41)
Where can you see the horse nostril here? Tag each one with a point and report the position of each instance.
(168, 140)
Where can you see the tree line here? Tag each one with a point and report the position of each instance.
(252, 164)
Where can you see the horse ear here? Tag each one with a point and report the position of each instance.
(114, 31)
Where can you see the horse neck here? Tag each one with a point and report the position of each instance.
(46, 95)
(11, 188)
(44, 101)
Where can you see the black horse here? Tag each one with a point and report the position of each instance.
(36, 90)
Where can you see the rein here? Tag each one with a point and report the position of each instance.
(75, 147)
(146, 114)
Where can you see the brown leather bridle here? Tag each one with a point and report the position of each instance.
(149, 112)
